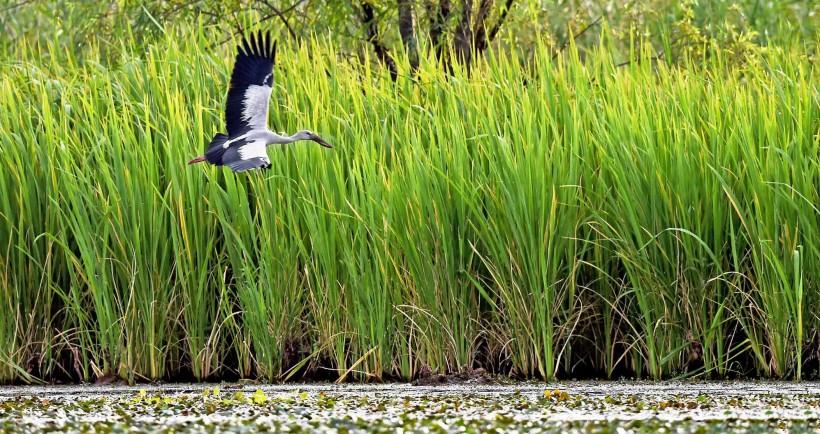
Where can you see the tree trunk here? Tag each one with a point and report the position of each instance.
(463, 38)
(370, 24)
(500, 21)
(408, 32)
(439, 16)
(480, 33)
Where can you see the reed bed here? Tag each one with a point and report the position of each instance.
(543, 217)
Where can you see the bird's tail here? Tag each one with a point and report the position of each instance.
(216, 148)
(197, 160)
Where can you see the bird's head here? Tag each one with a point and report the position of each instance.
(309, 135)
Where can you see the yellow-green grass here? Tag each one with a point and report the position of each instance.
(550, 215)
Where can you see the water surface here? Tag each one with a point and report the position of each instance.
(522, 407)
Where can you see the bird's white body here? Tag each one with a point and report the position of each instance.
(255, 149)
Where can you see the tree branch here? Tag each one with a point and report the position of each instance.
(577, 35)
(282, 17)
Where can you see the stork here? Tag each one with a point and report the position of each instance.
(246, 111)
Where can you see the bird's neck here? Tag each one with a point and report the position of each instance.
(276, 139)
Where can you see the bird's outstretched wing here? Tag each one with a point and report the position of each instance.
(251, 84)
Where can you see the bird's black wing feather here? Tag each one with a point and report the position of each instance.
(251, 85)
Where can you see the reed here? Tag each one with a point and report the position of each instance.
(544, 216)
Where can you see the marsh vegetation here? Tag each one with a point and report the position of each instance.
(558, 211)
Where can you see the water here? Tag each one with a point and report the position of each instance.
(522, 407)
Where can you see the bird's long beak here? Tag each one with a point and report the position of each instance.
(321, 141)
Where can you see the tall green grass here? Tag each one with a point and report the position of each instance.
(545, 216)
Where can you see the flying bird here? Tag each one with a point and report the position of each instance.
(246, 111)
